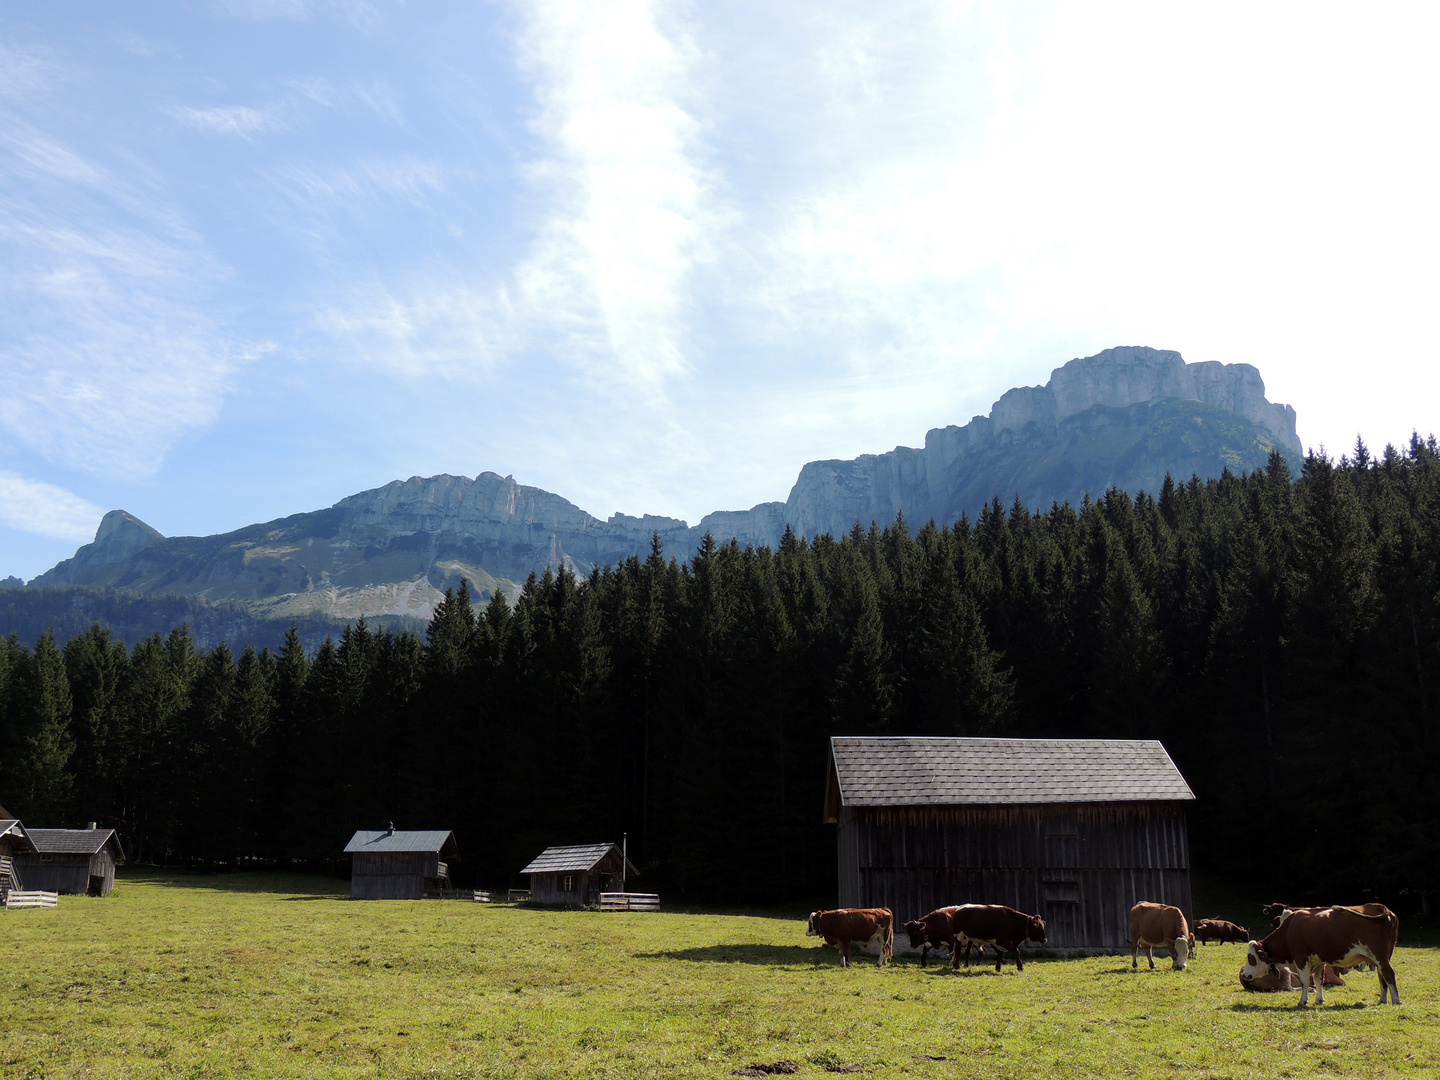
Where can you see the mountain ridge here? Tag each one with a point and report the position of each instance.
(1125, 417)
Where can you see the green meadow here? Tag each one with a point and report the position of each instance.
(249, 975)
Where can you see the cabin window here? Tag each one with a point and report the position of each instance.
(567, 883)
(47, 858)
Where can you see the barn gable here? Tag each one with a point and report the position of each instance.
(1073, 830)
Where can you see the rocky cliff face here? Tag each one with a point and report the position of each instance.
(1125, 417)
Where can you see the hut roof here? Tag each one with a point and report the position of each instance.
(900, 771)
(13, 829)
(75, 841)
(433, 842)
(574, 857)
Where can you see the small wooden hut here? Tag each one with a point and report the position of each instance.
(388, 864)
(1074, 830)
(78, 861)
(576, 875)
(14, 843)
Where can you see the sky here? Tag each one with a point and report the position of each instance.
(257, 255)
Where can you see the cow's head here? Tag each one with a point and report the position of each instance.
(810, 930)
(1180, 952)
(916, 929)
(1257, 963)
(1239, 932)
(1035, 930)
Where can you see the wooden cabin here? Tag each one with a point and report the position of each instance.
(389, 864)
(78, 861)
(14, 843)
(576, 875)
(1074, 830)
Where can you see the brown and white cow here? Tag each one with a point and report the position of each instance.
(1001, 927)
(1207, 930)
(1278, 913)
(1159, 926)
(933, 931)
(1306, 940)
(845, 926)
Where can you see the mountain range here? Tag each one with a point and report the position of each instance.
(1125, 417)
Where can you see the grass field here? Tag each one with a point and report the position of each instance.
(247, 975)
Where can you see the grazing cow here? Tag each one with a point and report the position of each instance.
(1284, 979)
(1156, 926)
(846, 925)
(934, 931)
(1219, 930)
(994, 924)
(1307, 940)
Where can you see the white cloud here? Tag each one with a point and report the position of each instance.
(242, 120)
(107, 353)
(628, 215)
(34, 506)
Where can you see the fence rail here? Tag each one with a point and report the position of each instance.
(517, 896)
(21, 898)
(629, 901)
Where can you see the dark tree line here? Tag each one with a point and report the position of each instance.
(1281, 635)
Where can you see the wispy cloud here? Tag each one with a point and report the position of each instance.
(34, 506)
(107, 352)
(242, 120)
(627, 213)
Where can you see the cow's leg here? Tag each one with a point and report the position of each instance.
(999, 955)
(923, 950)
(1304, 987)
(1135, 956)
(1387, 981)
(1316, 971)
(1019, 961)
(845, 954)
(1150, 955)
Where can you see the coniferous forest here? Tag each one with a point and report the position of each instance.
(1279, 633)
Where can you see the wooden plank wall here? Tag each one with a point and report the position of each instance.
(391, 875)
(60, 874)
(1081, 867)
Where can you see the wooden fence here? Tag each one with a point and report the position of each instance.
(517, 896)
(22, 898)
(629, 901)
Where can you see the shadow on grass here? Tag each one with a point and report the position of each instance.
(294, 886)
(1284, 1003)
(765, 955)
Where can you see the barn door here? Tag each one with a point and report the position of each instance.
(1063, 925)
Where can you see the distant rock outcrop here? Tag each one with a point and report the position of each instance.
(1125, 417)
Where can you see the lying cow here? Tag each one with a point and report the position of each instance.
(1159, 926)
(934, 931)
(1003, 928)
(863, 925)
(1307, 940)
(1284, 979)
(1207, 930)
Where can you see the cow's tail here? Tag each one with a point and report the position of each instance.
(888, 948)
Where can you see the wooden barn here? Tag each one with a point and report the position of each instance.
(78, 861)
(14, 843)
(388, 864)
(577, 874)
(1074, 830)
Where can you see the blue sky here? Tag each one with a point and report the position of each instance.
(653, 256)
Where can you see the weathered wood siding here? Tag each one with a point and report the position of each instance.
(1082, 867)
(392, 875)
(605, 877)
(58, 874)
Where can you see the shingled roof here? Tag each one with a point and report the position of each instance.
(574, 857)
(13, 829)
(898, 771)
(75, 841)
(434, 842)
